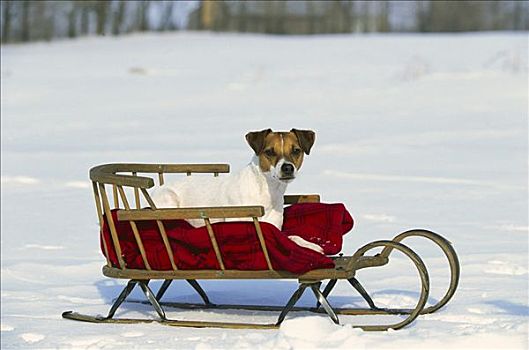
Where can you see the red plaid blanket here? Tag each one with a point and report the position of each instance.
(323, 224)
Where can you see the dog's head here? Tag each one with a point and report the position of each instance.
(281, 154)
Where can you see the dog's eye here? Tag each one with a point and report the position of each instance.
(296, 151)
(269, 153)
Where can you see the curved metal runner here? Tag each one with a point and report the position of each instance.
(450, 254)
(388, 247)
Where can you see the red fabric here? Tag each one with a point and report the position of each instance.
(323, 224)
(318, 223)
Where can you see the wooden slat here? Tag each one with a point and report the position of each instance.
(172, 168)
(107, 173)
(302, 198)
(160, 179)
(135, 230)
(124, 180)
(136, 193)
(214, 243)
(338, 272)
(101, 221)
(262, 242)
(115, 196)
(110, 220)
(162, 230)
(191, 213)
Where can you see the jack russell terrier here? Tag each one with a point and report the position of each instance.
(276, 162)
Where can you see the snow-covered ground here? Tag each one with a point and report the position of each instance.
(412, 131)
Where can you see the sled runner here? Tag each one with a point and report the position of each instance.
(145, 243)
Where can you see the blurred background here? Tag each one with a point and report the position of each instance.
(47, 20)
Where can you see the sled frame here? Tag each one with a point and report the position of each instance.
(119, 177)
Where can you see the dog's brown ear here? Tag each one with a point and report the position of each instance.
(306, 139)
(256, 139)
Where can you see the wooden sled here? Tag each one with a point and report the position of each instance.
(122, 177)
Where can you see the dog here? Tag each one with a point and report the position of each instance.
(276, 161)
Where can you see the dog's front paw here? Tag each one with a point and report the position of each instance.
(306, 244)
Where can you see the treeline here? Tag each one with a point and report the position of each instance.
(26, 20)
(471, 15)
(340, 16)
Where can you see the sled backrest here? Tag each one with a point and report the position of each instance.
(124, 181)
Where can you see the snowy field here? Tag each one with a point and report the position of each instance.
(412, 131)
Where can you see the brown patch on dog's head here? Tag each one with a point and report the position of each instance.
(283, 148)
(256, 139)
(306, 139)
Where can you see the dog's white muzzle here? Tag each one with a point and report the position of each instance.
(284, 171)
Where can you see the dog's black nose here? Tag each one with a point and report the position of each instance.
(287, 169)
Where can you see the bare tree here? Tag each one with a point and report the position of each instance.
(366, 17)
(332, 17)
(7, 14)
(348, 14)
(85, 17)
(383, 17)
(143, 20)
(102, 10)
(422, 16)
(243, 16)
(518, 16)
(25, 26)
(72, 20)
(44, 15)
(117, 18)
(269, 16)
(166, 21)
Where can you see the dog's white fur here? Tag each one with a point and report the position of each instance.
(249, 186)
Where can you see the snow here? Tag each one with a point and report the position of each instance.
(412, 131)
